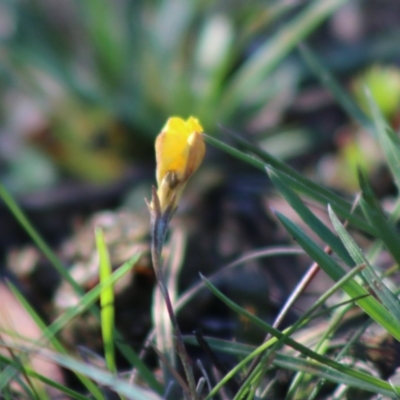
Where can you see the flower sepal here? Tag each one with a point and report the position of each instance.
(159, 218)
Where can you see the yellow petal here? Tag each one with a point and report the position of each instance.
(197, 150)
(172, 147)
(180, 150)
(193, 125)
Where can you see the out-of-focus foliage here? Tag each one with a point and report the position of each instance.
(144, 60)
(384, 85)
(76, 72)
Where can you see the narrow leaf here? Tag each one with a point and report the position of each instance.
(323, 232)
(368, 303)
(383, 293)
(106, 302)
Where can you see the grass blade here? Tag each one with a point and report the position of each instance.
(55, 343)
(126, 350)
(379, 385)
(368, 303)
(388, 140)
(106, 302)
(102, 377)
(309, 218)
(342, 97)
(271, 53)
(386, 230)
(294, 180)
(384, 294)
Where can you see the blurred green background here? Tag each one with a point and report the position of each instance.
(85, 86)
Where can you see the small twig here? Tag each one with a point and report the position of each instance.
(299, 289)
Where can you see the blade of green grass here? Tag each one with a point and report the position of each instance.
(125, 350)
(311, 312)
(387, 138)
(305, 318)
(384, 294)
(41, 244)
(271, 53)
(106, 302)
(55, 343)
(103, 378)
(323, 232)
(294, 180)
(342, 97)
(85, 303)
(385, 229)
(369, 304)
(289, 362)
(33, 374)
(379, 384)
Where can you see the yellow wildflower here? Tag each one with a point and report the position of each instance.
(180, 149)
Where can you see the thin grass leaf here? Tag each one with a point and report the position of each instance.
(19, 376)
(341, 96)
(323, 232)
(255, 162)
(106, 302)
(294, 180)
(305, 318)
(125, 350)
(298, 364)
(301, 382)
(369, 304)
(388, 140)
(85, 303)
(55, 343)
(386, 230)
(292, 363)
(384, 294)
(12, 374)
(329, 374)
(379, 384)
(40, 243)
(103, 378)
(89, 298)
(33, 374)
(271, 53)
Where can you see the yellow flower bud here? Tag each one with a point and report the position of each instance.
(180, 149)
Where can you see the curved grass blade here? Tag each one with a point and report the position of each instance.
(102, 377)
(388, 140)
(384, 294)
(368, 303)
(271, 53)
(33, 374)
(55, 343)
(342, 97)
(385, 229)
(126, 350)
(294, 180)
(324, 233)
(379, 384)
(106, 302)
